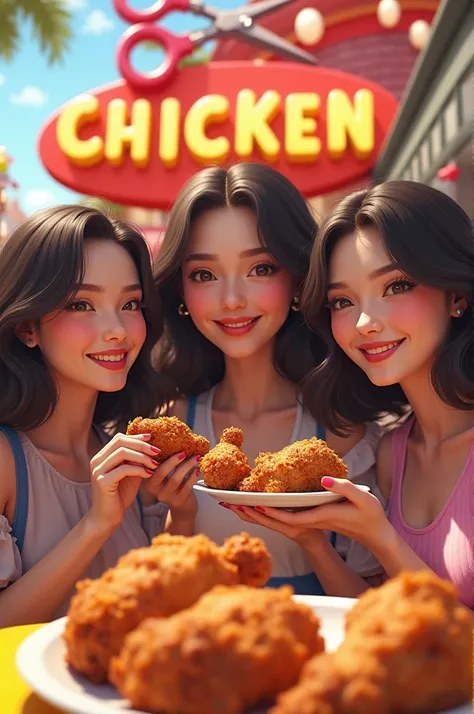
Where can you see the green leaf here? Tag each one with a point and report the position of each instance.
(51, 26)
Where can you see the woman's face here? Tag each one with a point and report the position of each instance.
(94, 340)
(236, 293)
(386, 323)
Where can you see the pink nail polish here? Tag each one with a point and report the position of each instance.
(155, 449)
(155, 463)
(149, 472)
(224, 505)
(181, 457)
(198, 473)
(146, 436)
(327, 482)
(259, 509)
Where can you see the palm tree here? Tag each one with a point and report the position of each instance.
(51, 26)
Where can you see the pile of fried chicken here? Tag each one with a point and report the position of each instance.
(295, 469)
(182, 627)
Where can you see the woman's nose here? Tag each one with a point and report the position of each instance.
(233, 297)
(368, 323)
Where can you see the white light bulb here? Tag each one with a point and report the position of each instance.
(418, 34)
(309, 26)
(389, 13)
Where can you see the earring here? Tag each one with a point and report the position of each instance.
(183, 310)
(295, 304)
(30, 342)
(459, 312)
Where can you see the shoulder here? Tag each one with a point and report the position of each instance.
(7, 478)
(384, 464)
(343, 444)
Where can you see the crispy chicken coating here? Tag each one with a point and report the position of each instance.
(226, 464)
(297, 468)
(158, 581)
(171, 436)
(407, 651)
(235, 648)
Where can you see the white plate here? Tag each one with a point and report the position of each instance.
(275, 500)
(40, 661)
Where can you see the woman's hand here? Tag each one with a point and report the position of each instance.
(172, 483)
(117, 471)
(361, 517)
(300, 534)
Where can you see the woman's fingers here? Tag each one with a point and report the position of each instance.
(177, 479)
(242, 513)
(110, 481)
(125, 454)
(123, 447)
(344, 487)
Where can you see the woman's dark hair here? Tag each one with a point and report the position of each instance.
(431, 238)
(41, 269)
(188, 361)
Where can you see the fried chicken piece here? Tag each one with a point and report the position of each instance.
(297, 468)
(171, 436)
(251, 557)
(226, 464)
(235, 648)
(407, 651)
(158, 581)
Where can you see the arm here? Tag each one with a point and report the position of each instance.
(116, 472)
(37, 594)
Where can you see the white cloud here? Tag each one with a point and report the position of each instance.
(31, 96)
(75, 4)
(38, 198)
(97, 23)
(2, 79)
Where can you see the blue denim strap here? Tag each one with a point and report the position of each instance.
(21, 506)
(320, 432)
(191, 415)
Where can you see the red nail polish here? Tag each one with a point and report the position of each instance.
(181, 457)
(145, 436)
(198, 458)
(198, 473)
(240, 508)
(224, 505)
(155, 449)
(155, 463)
(149, 472)
(327, 481)
(259, 509)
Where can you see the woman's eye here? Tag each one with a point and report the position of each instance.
(264, 270)
(202, 276)
(133, 305)
(339, 303)
(398, 287)
(80, 306)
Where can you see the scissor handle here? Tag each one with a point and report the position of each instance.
(175, 47)
(150, 14)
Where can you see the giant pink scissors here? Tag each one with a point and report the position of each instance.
(237, 23)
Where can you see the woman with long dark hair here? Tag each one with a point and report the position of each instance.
(235, 348)
(391, 292)
(78, 318)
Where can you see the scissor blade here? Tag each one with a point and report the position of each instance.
(264, 7)
(268, 40)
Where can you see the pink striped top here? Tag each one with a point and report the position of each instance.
(447, 544)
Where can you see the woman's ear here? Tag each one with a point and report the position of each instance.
(457, 306)
(27, 333)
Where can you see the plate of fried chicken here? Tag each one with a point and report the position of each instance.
(184, 627)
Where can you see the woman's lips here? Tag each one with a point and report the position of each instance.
(114, 361)
(379, 351)
(237, 326)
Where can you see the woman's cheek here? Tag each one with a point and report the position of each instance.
(342, 328)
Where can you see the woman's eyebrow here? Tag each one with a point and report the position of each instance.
(212, 256)
(374, 274)
(91, 288)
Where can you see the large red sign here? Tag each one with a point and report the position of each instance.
(320, 127)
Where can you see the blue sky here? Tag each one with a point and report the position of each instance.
(31, 90)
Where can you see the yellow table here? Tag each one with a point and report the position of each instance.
(16, 697)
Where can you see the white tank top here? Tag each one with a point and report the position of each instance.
(288, 558)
